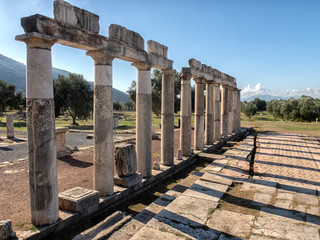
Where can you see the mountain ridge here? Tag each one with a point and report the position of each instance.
(14, 72)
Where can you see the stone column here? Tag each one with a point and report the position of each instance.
(103, 158)
(167, 117)
(224, 111)
(199, 114)
(209, 128)
(235, 109)
(239, 109)
(143, 119)
(185, 116)
(230, 110)
(41, 130)
(217, 112)
(10, 126)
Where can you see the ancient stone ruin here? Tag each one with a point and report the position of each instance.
(79, 28)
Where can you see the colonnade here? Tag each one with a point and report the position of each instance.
(41, 33)
(222, 107)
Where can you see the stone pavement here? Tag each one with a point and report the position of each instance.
(221, 202)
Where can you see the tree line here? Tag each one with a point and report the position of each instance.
(303, 109)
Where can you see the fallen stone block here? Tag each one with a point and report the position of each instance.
(125, 160)
(6, 231)
(128, 181)
(209, 157)
(78, 199)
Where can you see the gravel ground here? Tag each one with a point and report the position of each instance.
(13, 151)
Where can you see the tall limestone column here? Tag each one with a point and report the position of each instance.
(230, 110)
(209, 128)
(143, 121)
(167, 117)
(235, 109)
(185, 116)
(199, 114)
(41, 130)
(103, 179)
(239, 109)
(217, 112)
(224, 111)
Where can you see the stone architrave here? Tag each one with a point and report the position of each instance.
(10, 126)
(199, 114)
(224, 111)
(167, 117)
(143, 120)
(41, 130)
(103, 123)
(217, 112)
(209, 127)
(185, 115)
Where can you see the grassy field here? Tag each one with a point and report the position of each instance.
(128, 123)
(264, 122)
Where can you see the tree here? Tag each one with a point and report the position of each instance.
(117, 106)
(260, 104)
(8, 98)
(250, 109)
(74, 95)
(156, 84)
(132, 91)
(129, 105)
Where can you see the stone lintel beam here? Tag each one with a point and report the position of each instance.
(196, 73)
(159, 62)
(82, 39)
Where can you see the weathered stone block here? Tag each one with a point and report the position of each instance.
(10, 126)
(126, 160)
(129, 37)
(128, 181)
(61, 147)
(77, 199)
(157, 48)
(6, 230)
(67, 13)
(193, 63)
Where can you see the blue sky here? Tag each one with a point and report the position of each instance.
(270, 46)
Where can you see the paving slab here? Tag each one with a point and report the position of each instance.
(235, 224)
(285, 195)
(278, 228)
(306, 199)
(283, 203)
(188, 210)
(180, 229)
(206, 190)
(151, 233)
(217, 178)
(261, 199)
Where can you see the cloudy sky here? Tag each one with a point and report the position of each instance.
(270, 46)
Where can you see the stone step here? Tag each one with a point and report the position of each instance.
(105, 228)
(186, 216)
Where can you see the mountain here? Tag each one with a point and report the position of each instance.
(264, 97)
(14, 72)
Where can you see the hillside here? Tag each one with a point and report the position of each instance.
(14, 72)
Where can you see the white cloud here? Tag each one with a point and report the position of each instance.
(249, 91)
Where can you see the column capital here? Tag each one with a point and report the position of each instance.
(199, 80)
(142, 65)
(37, 40)
(216, 84)
(186, 77)
(168, 71)
(100, 58)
